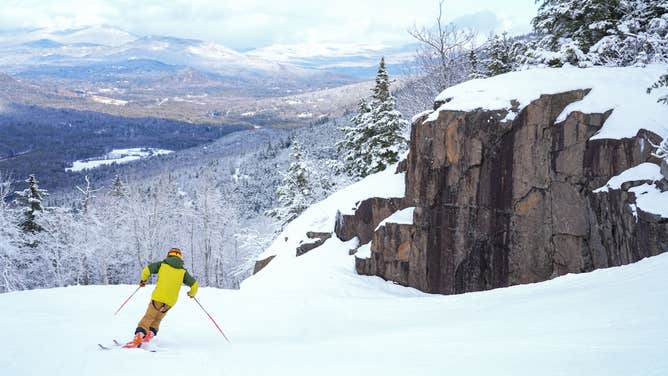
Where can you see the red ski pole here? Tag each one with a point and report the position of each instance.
(212, 320)
(126, 300)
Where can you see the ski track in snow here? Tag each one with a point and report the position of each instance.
(313, 315)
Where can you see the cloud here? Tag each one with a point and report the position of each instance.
(243, 24)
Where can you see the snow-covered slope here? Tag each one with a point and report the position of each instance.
(315, 316)
(321, 216)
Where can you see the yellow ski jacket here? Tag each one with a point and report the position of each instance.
(171, 275)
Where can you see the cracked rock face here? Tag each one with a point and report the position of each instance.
(500, 203)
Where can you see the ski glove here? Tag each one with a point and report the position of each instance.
(142, 283)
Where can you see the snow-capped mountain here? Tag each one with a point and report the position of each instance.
(103, 35)
(26, 51)
(23, 50)
(353, 59)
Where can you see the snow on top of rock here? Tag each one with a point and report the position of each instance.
(650, 199)
(321, 217)
(643, 171)
(622, 90)
(419, 115)
(364, 251)
(401, 217)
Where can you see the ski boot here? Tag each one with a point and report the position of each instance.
(136, 341)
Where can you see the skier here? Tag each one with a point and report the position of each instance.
(171, 274)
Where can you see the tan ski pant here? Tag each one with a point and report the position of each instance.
(155, 312)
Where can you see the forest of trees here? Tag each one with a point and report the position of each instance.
(210, 201)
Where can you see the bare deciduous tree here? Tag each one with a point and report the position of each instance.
(442, 52)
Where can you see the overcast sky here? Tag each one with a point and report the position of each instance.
(244, 24)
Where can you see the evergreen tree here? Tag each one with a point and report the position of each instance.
(499, 55)
(584, 21)
(475, 67)
(351, 146)
(117, 187)
(294, 193)
(386, 141)
(375, 140)
(31, 199)
(601, 32)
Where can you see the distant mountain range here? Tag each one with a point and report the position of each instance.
(106, 69)
(26, 50)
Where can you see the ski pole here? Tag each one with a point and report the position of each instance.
(212, 320)
(126, 300)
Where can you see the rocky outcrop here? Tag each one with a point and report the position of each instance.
(501, 202)
(261, 264)
(367, 217)
(313, 240)
(316, 240)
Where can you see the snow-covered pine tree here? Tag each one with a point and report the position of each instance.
(375, 140)
(475, 66)
(31, 201)
(386, 142)
(354, 136)
(584, 21)
(117, 187)
(639, 36)
(294, 193)
(601, 32)
(499, 55)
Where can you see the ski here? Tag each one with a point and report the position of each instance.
(118, 345)
(115, 345)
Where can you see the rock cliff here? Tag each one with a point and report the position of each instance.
(507, 197)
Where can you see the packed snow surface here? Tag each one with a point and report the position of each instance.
(315, 316)
(623, 90)
(117, 156)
